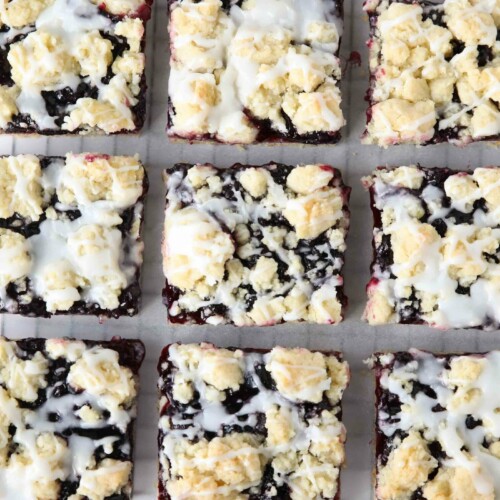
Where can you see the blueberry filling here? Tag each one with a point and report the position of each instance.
(440, 226)
(435, 13)
(471, 423)
(385, 257)
(317, 257)
(21, 294)
(409, 309)
(58, 102)
(61, 422)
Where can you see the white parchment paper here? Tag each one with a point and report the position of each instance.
(353, 337)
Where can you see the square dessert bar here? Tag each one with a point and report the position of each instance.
(72, 66)
(70, 234)
(255, 245)
(251, 71)
(250, 424)
(67, 417)
(436, 243)
(435, 71)
(438, 426)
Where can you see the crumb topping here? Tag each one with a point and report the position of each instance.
(99, 373)
(198, 250)
(78, 66)
(117, 179)
(300, 375)
(255, 245)
(234, 68)
(54, 437)
(20, 13)
(436, 247)
(105, 480)
(257, 436)
(15, 258)
(313, 214)
(72, 230)
(434, 72)
(407, 468)
(20, 187)
(438, 425)
(223, 462)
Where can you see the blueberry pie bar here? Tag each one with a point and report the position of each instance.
(255, 245)
(438, 426)
(250, 424)
(436, 246)
(251, 71)
(67, 415)
(435, 71)
(72, 66)
(70, 234)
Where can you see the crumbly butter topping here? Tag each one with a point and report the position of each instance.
(265, 58)
(303, 451)
(440, 396)
(237, 243)
(45, 433)
(437, 247)
(15, 258)
(436, 73)
(64, 73)
(71, 256)
(20, 188)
